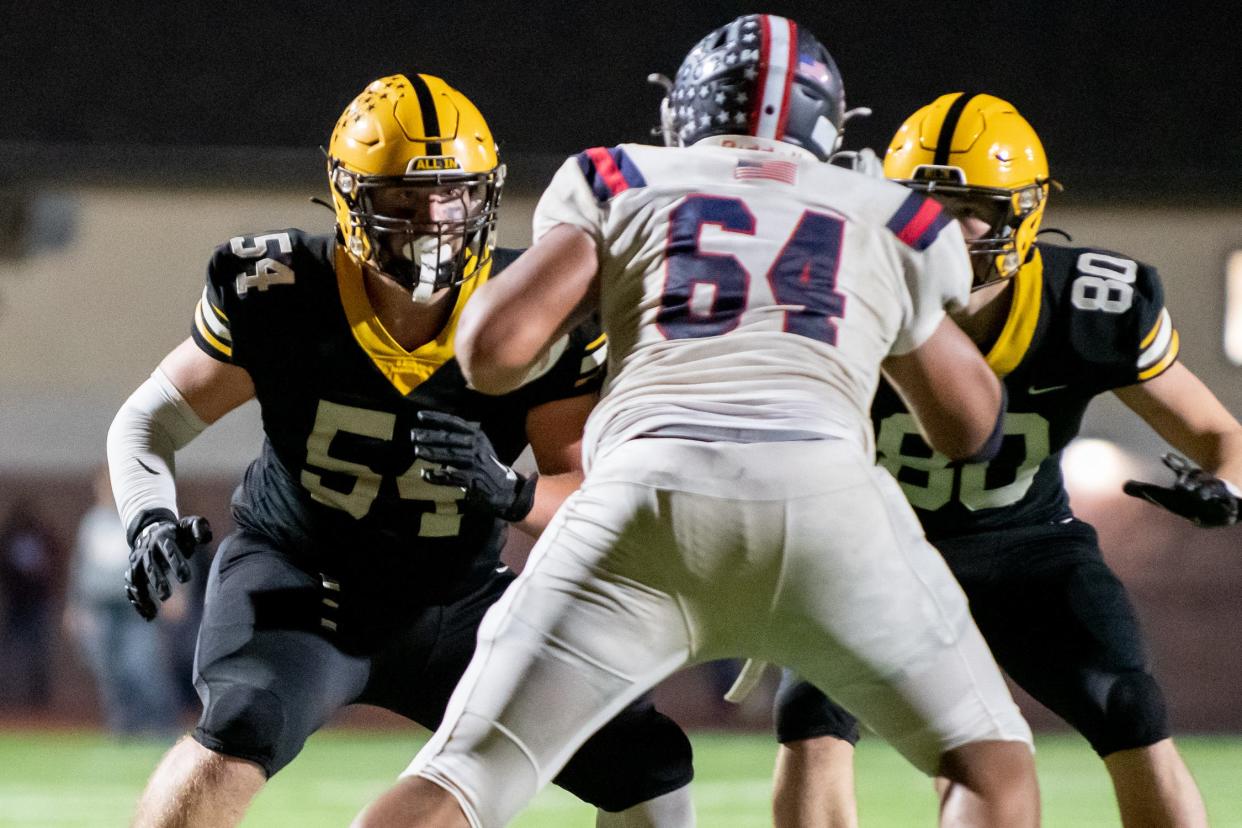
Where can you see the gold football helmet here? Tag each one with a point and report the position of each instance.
(980, 158)
(415, 179)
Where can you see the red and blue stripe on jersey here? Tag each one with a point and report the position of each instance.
(609, 171)
(918, 221)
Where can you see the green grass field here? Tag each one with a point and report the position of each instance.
(86, 780)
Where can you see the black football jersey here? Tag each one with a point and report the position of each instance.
(1082, 322)
(336, 482)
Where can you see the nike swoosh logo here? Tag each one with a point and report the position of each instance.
(1033, 391)
(145, 466)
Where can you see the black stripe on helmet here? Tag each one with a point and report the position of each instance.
(944, 141)
(427, 105)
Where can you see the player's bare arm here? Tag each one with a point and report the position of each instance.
(212, 388)
(554, 430)
(1188, 415)
(951, 391)
(510, 322)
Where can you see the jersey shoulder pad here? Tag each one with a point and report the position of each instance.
(1114, 309)
(255, 264)
(269, 265)
(609, 171)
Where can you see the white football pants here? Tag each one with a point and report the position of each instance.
(675, 551)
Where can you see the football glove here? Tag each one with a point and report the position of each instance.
(469, 462)
(1199, 497)
(160, 543)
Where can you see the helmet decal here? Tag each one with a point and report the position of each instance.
(760, 76)
(944, 142)
(778, 57)
(427, 107)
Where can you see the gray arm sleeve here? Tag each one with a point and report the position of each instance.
(151, 426)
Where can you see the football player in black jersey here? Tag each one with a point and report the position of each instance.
(1060, 325)
(362, 563)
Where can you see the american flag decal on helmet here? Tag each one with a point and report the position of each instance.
(784, 171)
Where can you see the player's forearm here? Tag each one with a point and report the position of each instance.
(550, 492)
(1219, 453)
(509, 323)
(147, 431)
(495, 356)
(1190, 418)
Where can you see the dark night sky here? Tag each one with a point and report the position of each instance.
(1141, 101)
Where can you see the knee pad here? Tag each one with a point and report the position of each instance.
(801, 711)
(639, 755)
(1133, 715)
(248, 723)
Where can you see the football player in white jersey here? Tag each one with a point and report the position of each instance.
(732, 507)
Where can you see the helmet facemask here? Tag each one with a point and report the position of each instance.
(1012, 218)
(416, 179)
(426, 232)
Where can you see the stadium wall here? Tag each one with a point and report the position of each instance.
(97, 283)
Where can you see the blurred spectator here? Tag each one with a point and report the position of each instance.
(127, 655)
(27, 556)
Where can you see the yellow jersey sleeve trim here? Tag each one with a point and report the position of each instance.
(1155, 329)
(1156, 350)
(219, 313)
(1015, 338)
(592, 363)
(201, 325)
(1168, 359)
(596, 342)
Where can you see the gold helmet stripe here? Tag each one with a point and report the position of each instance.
(944, 141)
(427, 105)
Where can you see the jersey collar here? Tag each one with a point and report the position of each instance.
(406, 370)
(1015, 338)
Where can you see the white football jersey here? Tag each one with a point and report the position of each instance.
(747, 292)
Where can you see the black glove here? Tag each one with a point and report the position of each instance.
(159, 543)
(1199, 497)
(470, 463)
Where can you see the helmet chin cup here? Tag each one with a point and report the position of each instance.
(424, 290)
(430, 258)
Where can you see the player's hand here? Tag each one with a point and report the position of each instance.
(159, 543)
(470, 463)
(1199, 497)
